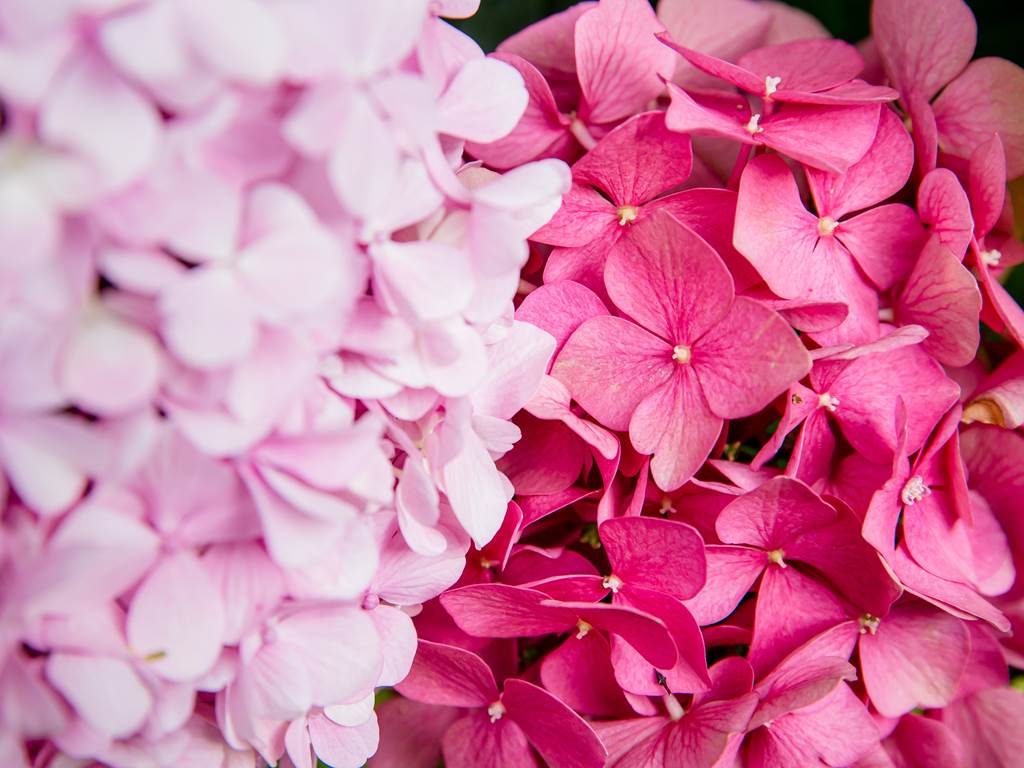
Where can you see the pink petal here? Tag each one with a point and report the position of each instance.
(422, 280)
(515, 365)
(609, 365)
(791, 609)
(924, 44)
(989, 725)
(651, 275)
(985, 98)
(563, 738)
(986, 184)
(106, 692)
(920, 741)
(831, 138)
(773, 515)
(944, 208)
(444, 674)
(614, 86)
(585, 214)
(549, 44)
(560, 308)
(914, 659)
(683, 440)
(475, 741)
(637, 161)
(646, 633)
(748, 359)
(805, 65)
(942, 296)
(883, 241)
(657, 554)
(730, 574)
(411, 733)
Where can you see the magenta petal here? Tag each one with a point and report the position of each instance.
(657, 554)
(614, 84)
(773, 515)
(731, 572)
(501, 610)
(637, 161)
(579, 672)
(646, 633)
(609, 365)
(987, 98)
(942, 296)
(675, 424)
(914, 659)
(920, 742)
(748, 359)
(879, 174)
(687, 116)
(563, 738)
(991, 726)
(583, 264)
(924, 44)
(451, 676)
(738, 75)
(476, 742)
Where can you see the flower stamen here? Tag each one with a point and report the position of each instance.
(681, 354)
(914, 490)
(627, 214)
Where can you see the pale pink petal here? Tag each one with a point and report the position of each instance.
(343, 747)
(176, 619)
(484, 101)
(422, 280)
(106, 692)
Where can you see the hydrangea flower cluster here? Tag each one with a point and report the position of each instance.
(768, 496)
(257, 360)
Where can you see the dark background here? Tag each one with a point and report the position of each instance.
(1000, 22)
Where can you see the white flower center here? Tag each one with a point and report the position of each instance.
(627, 214)
(869, 624)
(771, 85)
(826, 226)
(613, 582)
(753, 127)
(914, 490)
(778, 557)
(991, 258)
(681, 354)
(495, 711)
(828, 402)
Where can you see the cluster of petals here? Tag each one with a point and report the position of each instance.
(767, 503)
(258, 359)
